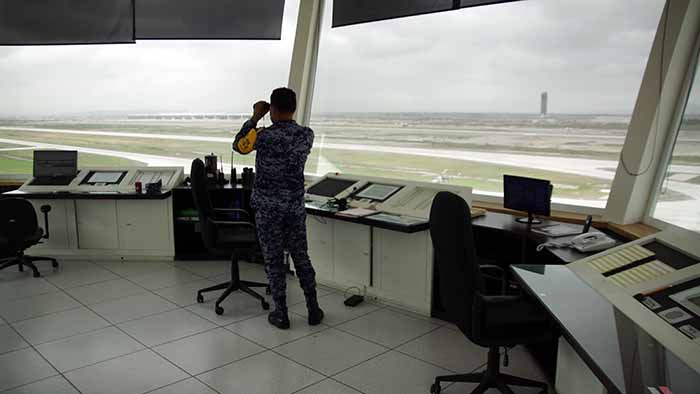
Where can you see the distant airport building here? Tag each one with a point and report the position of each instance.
(186, 116)
(543, 104)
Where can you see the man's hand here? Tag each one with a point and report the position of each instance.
(260, 109)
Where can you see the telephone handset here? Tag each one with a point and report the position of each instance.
(592, 242)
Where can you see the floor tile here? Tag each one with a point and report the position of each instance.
(186, 294)
(206, 269)
(336, 312)
(189, 386)
(448, 349)
(26, 286)
(130, 268)
(29, 307)
(330, 351)
(265, 373)
(131, 374)
(105, 291)
(9, 340)
(209, 350)
(60, 325)
(68, 278)
(392, 373)
(132, 307)
(259, 330)
(328, 386)
(256, 274)
(164, 278)
(21, 367)
(53, 385)
(387, 327)
(237, 307)
(164, 327)
(86, 349)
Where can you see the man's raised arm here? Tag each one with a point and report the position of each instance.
(244, 142)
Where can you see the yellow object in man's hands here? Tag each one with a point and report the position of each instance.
(247, 144)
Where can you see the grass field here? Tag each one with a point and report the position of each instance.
(20, 161)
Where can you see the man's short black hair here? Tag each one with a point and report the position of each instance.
(284, 99)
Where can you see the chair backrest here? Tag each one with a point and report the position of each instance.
(202, 202)
(18, 220)
(453, 245)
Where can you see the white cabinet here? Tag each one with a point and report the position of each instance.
(144, 225)
(320, 237)
(351, 253)
(403, 268)
(97, 224)
(61, 223)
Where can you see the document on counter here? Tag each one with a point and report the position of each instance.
(621, 258)
(643, 273)
(398, 219)
(356, 212)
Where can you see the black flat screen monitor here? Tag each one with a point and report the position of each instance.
(55, 163)
(530, 195)
(330, 187)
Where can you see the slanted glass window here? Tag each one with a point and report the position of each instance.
(540, 88)
(151, 103)
(678, 201)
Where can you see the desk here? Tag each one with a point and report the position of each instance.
(623, 358)
(105, 224)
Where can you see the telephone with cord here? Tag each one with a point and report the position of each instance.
(584, 243)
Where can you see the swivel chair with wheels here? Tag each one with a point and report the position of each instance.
(491, 321)
(223, 236)
(19, 230)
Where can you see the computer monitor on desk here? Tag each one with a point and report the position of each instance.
(55, 167)
(530, 195)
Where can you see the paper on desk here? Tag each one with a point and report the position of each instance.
(620, 258)
(356, 212)
(643, 273)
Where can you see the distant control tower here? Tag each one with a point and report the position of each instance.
(543, 105)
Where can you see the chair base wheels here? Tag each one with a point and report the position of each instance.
(435, 388)
(54, 264)
(268, 291)
(36, 274)
(200, 299)
(219, 310)
(265, 305)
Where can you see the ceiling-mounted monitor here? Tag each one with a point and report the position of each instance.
(352, 12)
(209, 19)
(61, 22)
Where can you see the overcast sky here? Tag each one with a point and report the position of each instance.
(588, 54)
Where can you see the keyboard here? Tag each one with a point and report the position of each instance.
(52, 181)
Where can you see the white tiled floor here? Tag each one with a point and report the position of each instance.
(130, 328)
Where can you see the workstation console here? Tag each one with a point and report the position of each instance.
(121, 212)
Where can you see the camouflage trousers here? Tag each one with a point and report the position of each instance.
(281, 227)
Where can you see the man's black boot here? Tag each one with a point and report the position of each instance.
(315, 316)
(279, 319)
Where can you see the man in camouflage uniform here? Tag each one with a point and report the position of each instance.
(278, 198)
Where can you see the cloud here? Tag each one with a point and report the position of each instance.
(589, 55)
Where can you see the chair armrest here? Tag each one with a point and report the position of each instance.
(228, 223)
(505, 310)
(495, 270)
(223, 211)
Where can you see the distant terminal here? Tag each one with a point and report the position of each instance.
(186, 116)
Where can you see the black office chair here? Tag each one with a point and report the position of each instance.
(492, 321)
(19, 230)
(223, 236)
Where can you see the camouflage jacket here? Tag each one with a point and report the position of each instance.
(282, 150)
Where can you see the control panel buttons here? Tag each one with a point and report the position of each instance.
(690, 331)
(674, 315)
(651, 303)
